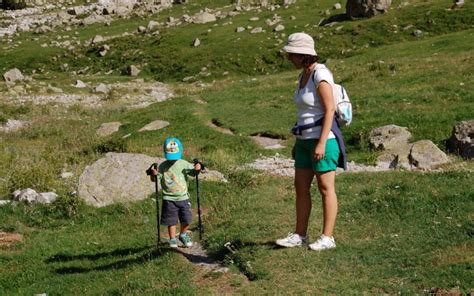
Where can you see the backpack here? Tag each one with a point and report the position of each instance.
(342, 103)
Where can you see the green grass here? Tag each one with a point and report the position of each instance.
(397, 232)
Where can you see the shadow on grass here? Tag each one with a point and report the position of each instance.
(118, 252)
(150, 253)
(335, 18)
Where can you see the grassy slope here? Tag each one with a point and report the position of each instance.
(397, 231)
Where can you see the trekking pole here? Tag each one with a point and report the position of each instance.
(149, 173)
(201, 228)
(157, 212)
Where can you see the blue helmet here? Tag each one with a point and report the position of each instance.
(172, 148)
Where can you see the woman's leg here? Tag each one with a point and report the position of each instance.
(303, 179)
(326, 185)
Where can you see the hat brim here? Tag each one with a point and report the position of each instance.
(174, 156)
(299, 50)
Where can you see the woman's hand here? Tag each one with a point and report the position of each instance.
(319, 151)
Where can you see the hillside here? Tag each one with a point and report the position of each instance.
(398, 231)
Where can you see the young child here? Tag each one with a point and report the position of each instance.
(172, 175)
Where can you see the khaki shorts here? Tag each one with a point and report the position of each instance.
(304, 155)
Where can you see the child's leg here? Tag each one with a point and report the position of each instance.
(172, 231)
(184, 228)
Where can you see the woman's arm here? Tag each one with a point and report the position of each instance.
(324, 90)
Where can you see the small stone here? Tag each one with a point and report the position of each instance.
(97, 39)
(279, 28)
(257, 30)
(101, 88)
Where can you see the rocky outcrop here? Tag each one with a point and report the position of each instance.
(462, 139)
(366, 8)
(397, 152)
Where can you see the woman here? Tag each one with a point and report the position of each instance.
(319, 147)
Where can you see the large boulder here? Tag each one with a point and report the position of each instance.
(389, 137)
(366, 8)
(426, 155)
(118, 177)
(462, 139)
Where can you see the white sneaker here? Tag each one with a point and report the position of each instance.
(323, 243)
(292, 240)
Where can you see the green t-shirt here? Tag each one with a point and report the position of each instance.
(174, 179)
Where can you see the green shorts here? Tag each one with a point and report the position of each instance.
(304, 151)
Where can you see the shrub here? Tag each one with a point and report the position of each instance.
(13, 4)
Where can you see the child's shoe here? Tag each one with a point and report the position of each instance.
(186, 240)
(173, 242)
(292, 240)
(323, 243)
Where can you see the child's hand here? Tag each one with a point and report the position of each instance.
(153, 174)
(197, 167)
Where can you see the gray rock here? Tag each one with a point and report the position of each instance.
(366, 8)
(132, 70)
(196, 42)
(395, 158)
(101, 88)
(97, 39)
(461, 141)
(389, 136)
(240, 29)
(31, 196)
(204, 17)
(13, 75)
(46, 197)
(108, 128)
(80, 84)
(210, 175)
(417, 33)
(66, 175)
(152, 26)
(118, 177)
(12, 125)
(337, 6)
(141, 29)
(279, 28)
(256, 30)
(426, 155)
(154, 125)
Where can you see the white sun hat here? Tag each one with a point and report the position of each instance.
(300, 43)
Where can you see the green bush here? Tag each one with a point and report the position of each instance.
(13, 4)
